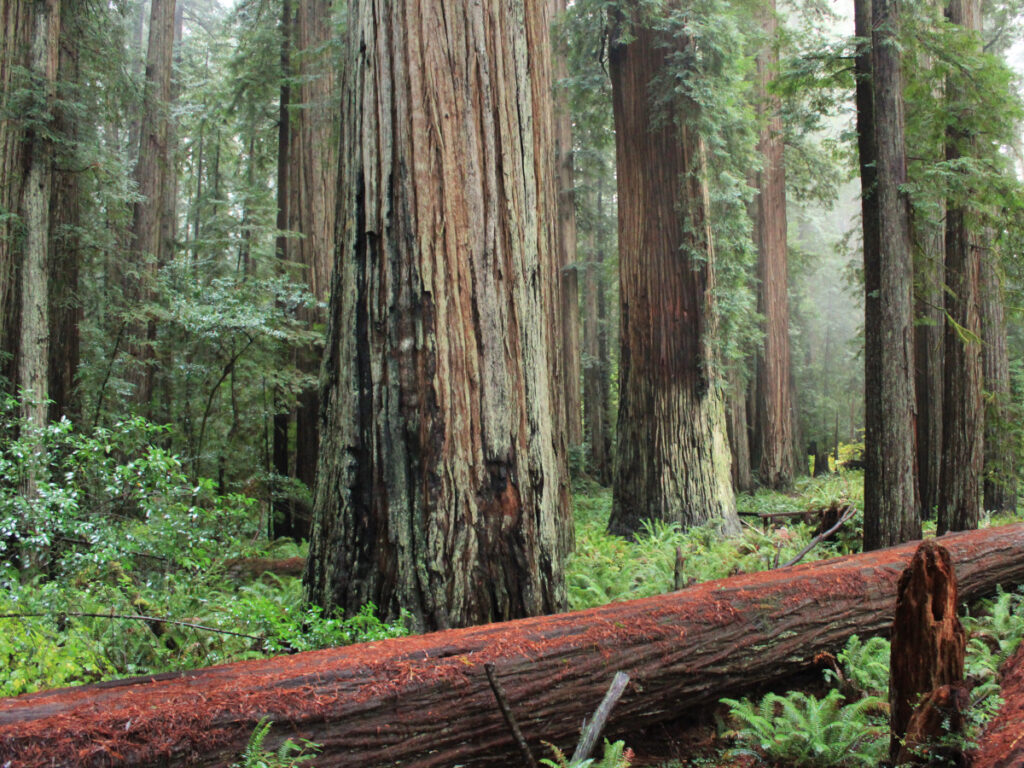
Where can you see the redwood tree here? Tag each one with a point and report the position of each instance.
(890, 509)
(1000, 480)
(672, 457)
(774, 389)
(29, 56)
(441, 486)
(962, 411)
(149, 230)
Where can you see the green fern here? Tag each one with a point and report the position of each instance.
(803, 731)
(288, 755)
(615, 755)
(864, 667)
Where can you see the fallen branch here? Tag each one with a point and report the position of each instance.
(510, 719)
(850, 512)
(592, 730)
(424, 701)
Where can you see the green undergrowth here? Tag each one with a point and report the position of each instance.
(847, 726)
(605, 568)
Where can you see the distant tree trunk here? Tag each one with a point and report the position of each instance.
(736, 421)
(282, 522)
(442, 487)
(672, 456)
(773, 363)
(928, 355)
(569, 298)
(315, 162)
(148, 248)
(963, 427)
(65, 309)
(1000, 484)
(890, 506)
(595, 373)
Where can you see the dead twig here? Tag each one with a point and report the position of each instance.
(850, 512)
(592, 730)
(510, 719)
(132, 617)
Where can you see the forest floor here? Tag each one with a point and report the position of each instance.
(106, 619)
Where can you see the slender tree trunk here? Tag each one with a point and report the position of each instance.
(148, 229)
(963, 428)
(928, 355)
(595, 374)
(442, 487)
(282, 522)
(672, 456)
(773, 364)
(1000, 483)
(315, 161)
(569, 298)
(65, 309)
(736, 420)
(890, 506)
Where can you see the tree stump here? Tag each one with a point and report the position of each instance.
(928, 640)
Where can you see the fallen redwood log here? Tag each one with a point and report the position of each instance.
(425, 701)
(1002, 745)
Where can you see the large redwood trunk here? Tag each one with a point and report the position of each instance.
(963, 427)
(442, 487)
(425, 701)
(774, 389)
(890, 499)
(671, 455)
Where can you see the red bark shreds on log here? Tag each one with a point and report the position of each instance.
(928, 640)
(425, 701)
(1002, 745)
(940, 714)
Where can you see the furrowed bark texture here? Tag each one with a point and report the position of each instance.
(928, 640)
(569, 296)
(28, 73)
(773, 364)
(963, 427)
(672, 457)
(890, 507)
(442, 487)
(148, 248)
(1000, 483)
(1002, 744)
(425, 701)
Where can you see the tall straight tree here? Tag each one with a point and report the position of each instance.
(315, 162)
(890, 508)
(29, 55)
(963, 415)
(999, 491)
(149, 248)
(569, 298)
(442, 485)
(774, 390)
(672, 457)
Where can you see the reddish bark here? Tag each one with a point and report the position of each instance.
(425, 701)
(928, 640)
(1002, 745)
